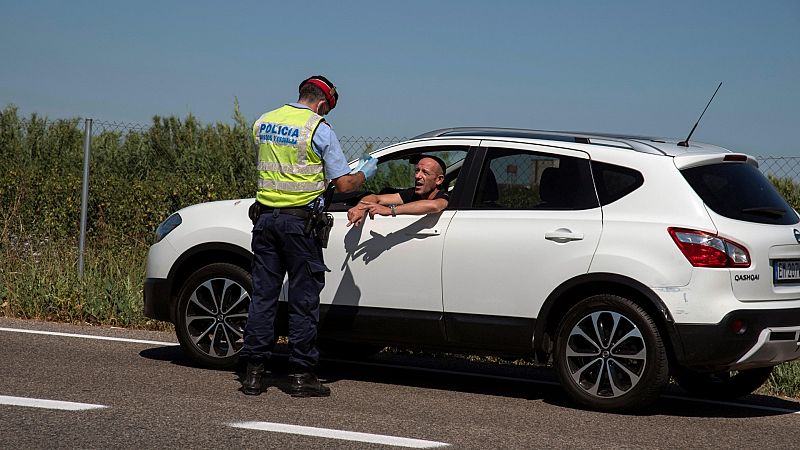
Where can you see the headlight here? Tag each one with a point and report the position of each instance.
(167, 226)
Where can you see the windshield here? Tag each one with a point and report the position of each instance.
(740, 191)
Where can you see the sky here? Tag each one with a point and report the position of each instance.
(404, 68)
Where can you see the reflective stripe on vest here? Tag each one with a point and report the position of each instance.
(288, 186)
(287, 168)
(289, 172)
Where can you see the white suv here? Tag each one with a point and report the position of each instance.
(621, 259)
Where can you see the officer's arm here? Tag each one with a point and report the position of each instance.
(349, 182)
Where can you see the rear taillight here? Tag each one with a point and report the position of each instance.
(709, 250)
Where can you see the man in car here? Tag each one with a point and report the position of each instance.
(297, 153)
(426, 197)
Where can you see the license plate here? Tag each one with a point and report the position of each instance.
(786, 271)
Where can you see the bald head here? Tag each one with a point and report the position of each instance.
(428, 177)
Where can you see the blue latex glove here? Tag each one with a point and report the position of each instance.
(369, 166)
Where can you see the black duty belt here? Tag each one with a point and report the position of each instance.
(297, 212)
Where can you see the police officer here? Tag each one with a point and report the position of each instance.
(297, 152)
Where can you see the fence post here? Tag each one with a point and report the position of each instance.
(87, 143)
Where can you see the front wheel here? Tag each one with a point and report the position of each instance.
(212, 314)
(610, 355)
(726, 385)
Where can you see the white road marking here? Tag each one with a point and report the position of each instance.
(88, 336)
(47, 404)
(338, 434)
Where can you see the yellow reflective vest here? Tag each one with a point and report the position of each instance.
(290, 174)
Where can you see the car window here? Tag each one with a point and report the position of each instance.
(396, 172)
(518, 179)
(614, 182)
(740, 191)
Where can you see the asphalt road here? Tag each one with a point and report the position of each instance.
(153, 397)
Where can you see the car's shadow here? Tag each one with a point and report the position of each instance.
(522, 382)
(171, 353)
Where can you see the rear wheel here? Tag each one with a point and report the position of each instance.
(212, 313)
(610, 355)
(722, 385)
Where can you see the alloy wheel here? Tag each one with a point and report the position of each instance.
(216, 314)
(606, 354)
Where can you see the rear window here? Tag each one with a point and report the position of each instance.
(614, 182)
(740, 191)
(525, 180)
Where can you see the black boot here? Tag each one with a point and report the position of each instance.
(253, 383)
(306, 384)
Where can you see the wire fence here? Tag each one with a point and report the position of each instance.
(780, 166)
(102, 126)
(353, 147)
(356, 146)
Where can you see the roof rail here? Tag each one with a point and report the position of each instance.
(637, 143)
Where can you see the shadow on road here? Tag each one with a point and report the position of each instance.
(172, 354)
(522, 382)
(441, 375)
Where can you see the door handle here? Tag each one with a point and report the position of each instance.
(431, 232)
(563, 235)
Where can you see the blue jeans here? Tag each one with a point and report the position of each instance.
(280, 246)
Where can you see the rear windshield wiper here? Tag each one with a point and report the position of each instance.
(766, 211)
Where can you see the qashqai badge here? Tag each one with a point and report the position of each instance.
(797, 235)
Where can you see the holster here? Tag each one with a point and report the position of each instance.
(322, 230)
(318, 226)
(254, 211)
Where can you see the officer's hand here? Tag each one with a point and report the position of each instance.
(368, 166)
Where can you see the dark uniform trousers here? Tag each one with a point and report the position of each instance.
(280, 246)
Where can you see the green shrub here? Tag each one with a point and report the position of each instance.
(39, 280)
(785, 380)
(138, 178)
(788, 189)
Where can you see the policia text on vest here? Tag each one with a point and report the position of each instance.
(280, 134)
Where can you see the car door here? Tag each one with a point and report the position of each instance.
(385, 275)
(532, 222)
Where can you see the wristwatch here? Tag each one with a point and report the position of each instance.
(394, 212)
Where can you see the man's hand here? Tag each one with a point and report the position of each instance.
(357, 214)
(373, 208)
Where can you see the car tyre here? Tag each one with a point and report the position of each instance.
(610, 354)
(726, 385)
(212, 314)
